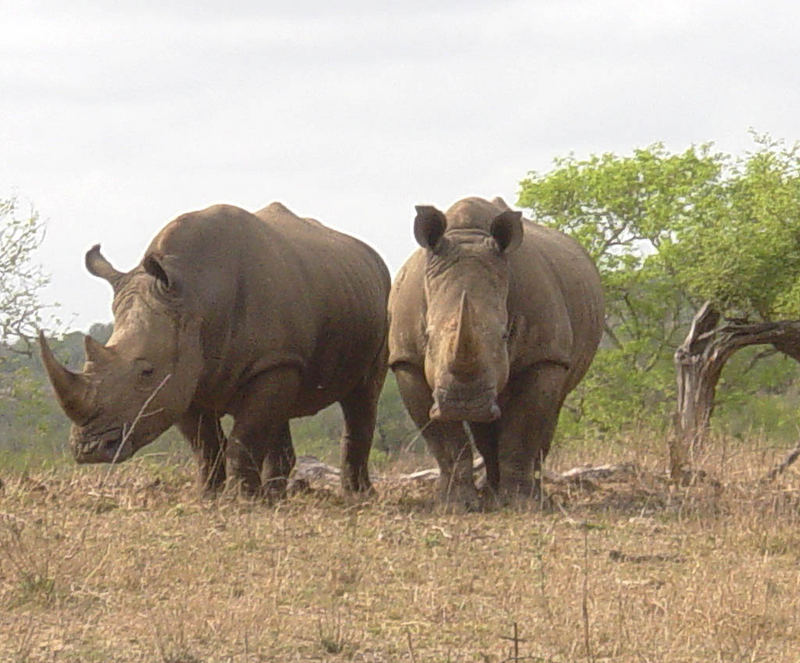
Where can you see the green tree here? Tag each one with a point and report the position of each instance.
(743, 255)
(670, 231)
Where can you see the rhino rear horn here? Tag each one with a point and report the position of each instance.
(71, 389)
(95, 352)
(99, 266)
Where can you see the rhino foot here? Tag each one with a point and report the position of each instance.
(356, 481)
(458, 497)
(275, 488)
(522, 495)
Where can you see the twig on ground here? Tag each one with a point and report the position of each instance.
(585, 598)
(411, 648)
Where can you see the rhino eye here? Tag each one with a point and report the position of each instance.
(145, 368)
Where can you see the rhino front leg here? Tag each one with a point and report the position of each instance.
(260, 439)
(278, 462)
(486, 438)
(244, 458)
(527, 426)
(447, 441)
(204, 433)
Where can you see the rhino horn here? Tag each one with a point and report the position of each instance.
(97, 264)
(466, 350)
(95, 352)
(71, 389)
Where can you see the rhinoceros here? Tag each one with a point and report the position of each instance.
(264, 316)
(492, 322)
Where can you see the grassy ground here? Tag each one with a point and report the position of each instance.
(129, 565)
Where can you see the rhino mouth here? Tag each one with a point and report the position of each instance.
(112, 446)
(452, 405)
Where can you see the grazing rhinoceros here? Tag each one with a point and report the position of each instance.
(492, 322)
(262, 316)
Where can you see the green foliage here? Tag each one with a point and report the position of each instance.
(759, 396)
(619, 208)
(613, 395)
(669, 231)
(744, 255)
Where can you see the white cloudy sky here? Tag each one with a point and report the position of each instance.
(117, 116)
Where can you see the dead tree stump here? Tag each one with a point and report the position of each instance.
(699, 362)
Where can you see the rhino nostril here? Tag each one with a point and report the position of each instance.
(109, 444)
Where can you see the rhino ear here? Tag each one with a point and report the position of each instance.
(158, 268)
(507, 230)
(429, 226)
(99, 266)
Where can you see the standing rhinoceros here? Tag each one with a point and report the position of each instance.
(492, 322)
(262, 316)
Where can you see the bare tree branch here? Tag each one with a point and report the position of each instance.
(21, 279)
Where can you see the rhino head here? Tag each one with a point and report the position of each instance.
(137, 385)
(466, 317)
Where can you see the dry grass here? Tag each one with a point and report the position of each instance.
(132, 566)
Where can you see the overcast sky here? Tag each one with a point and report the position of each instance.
(117, 116)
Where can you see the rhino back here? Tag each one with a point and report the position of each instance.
(274, 289)
(556, 295)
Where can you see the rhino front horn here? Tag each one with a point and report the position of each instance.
(464, 361)
(71, 389)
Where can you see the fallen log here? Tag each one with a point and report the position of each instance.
(310, 469)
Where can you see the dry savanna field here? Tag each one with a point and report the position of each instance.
(129, 564)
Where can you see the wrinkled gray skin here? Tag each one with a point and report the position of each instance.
(262, 316)
(492, 322)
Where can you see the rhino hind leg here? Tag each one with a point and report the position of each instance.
(446, 440)
(527, 426)
(360, 411)
(204, 433)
